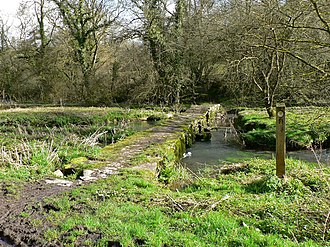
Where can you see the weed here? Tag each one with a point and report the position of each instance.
(24, 214)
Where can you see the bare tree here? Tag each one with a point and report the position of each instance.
(259, 40)
(4, 29)
(309, 22)
(87, 22)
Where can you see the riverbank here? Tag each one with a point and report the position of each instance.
(306, 127)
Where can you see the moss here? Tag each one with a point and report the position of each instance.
(113, 151)
(77, 161)
(180, 146)
(11, 189)
(190, 135)
(76, 167)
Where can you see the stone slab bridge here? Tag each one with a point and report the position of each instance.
(149, 149)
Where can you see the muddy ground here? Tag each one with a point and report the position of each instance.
(16, 230)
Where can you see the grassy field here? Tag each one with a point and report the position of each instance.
(305, 128)
(248, 206)
(38, 141)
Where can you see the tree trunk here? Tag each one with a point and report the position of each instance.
(270, 109)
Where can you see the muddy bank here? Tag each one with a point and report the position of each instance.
(20, 209)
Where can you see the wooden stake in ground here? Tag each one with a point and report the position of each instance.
(280, 140)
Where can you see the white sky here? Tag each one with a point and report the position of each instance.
(8, 8)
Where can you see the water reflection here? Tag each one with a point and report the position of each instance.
(223, 148)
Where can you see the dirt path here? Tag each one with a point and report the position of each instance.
(21, 203)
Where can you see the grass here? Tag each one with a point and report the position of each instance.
(305, 127)
(244, 207)
(250, 207)
(38, 141)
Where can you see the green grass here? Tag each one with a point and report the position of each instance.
(246, 207)
(250, 208)
(305, 127)
(38, 141)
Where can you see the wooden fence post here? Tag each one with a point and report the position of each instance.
(280, 140)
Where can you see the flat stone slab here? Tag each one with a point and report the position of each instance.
(60, 182)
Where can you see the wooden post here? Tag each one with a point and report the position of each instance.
(280, 140)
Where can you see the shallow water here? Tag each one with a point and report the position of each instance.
(141, 125)
(4, 243)
(224, 148)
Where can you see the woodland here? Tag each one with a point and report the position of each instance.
(147, 59)
(167, 52)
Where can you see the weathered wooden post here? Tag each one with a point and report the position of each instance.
(280, 140)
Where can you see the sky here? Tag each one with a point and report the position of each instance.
(8, 10)
(8, 7)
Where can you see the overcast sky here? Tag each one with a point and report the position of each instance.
(8, 8)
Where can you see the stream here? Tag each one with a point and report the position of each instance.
(223, 148)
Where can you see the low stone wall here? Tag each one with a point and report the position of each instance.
(195, 125)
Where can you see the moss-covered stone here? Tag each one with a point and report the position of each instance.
(75, 167)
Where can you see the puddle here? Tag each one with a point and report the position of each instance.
(223, 148)
(141, 125)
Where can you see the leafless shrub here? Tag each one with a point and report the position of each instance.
(28, 154)
(93, 139)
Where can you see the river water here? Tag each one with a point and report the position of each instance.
(224, 148)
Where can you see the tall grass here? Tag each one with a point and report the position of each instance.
(29, 154)
(36, 142)
(36, 158)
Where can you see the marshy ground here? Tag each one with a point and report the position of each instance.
(240, 205)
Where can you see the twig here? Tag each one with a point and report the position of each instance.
(176, 203)
(325, 226)
(193, 173)
(214, 205)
